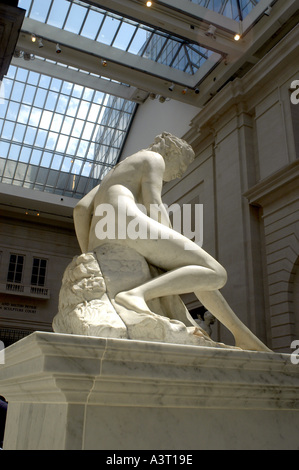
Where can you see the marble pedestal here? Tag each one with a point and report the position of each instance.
(76, 392)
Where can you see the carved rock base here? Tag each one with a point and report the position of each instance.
(87, 306)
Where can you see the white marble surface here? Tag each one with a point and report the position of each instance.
(78, 392)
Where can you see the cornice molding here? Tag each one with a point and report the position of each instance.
(286, 177)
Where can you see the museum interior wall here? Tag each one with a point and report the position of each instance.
(152, 118)
(245, 175)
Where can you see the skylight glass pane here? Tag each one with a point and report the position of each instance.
(108, 30)
(58, 13)
(75, 19)
(51, 101)
(124, 35)
(25, 4)
(92, 24)
(229, 8)
(138, 41)
(39, 10)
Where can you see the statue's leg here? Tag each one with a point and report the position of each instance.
(181, 281)
(217, 305)
(189, 269)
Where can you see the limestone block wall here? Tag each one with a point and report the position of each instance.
(278, 197)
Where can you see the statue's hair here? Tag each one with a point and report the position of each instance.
(166, 144)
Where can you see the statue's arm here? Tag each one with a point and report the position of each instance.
(82, 218)
(152, 183)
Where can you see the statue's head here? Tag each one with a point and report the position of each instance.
(177, 154)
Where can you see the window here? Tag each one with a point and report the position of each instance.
(38, 276)
(15, 268)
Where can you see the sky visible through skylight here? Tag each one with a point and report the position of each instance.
(229, 8)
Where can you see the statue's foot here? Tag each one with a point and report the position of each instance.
(251, 343)
(132, 301)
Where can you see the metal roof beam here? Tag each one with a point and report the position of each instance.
(77, 77)
(86, 54)
(141, 83)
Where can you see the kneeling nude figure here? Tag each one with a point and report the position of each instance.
(186, 266)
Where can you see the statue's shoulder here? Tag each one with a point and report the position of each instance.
(145, 161)
(150, 157)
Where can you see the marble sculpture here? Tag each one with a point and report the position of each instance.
(123, 286)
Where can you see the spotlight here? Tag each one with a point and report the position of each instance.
(184, 91)
(149, 4)
(211, 31)
(17, 53)
(197, 91)
(152, 96)
(268, 11)
(40, 43)
(104, 63)
(162, 99)
(33, 38)
(58, 50)
(237, 37)
(27, 56)
(171, 88)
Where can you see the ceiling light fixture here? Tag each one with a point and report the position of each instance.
(40, 43)
(104, 63)
(162, 99)
(237, 37)
(268, 11)
(33, 38)
(27, 56)
(197, 91)
(58, 49)
(211, 31)
(172, 86)
(149, 4)
(152, 96)
(184, 92)
(17, 53)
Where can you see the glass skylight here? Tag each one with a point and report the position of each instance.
(62, 137)
(115, 31)
(57, 136)
(234, 9)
